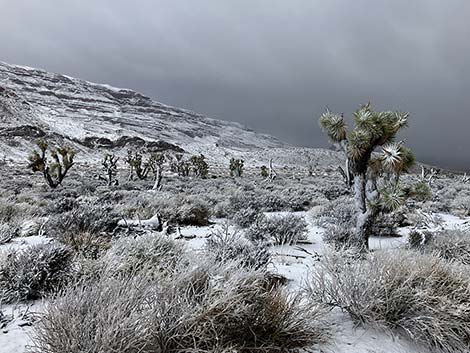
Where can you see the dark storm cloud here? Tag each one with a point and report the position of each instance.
(273, 65)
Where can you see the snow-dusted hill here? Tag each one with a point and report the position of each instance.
(35, 102)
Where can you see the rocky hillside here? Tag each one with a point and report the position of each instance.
(36, 103)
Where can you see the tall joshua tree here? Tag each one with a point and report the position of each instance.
(55, 169)
(374, 162)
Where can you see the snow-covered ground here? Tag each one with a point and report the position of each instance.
(294, 262)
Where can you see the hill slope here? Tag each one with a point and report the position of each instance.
(90, 113)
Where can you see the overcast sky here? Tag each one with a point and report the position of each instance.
(273, 65)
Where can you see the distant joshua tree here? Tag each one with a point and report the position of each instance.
(109, 164)
(155, 163)
(199, 166)
(236, 167)
(137, 165)
(373, 174)
(54, 169)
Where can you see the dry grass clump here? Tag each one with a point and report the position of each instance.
(32, 272)
(278, 230)
(151, 253)
(226, 244)
(87, 218)
(421, 295)
(207, 306)
(452, 244)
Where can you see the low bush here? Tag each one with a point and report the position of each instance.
(88, 218)
(149, 253)
(205, 308)
(245, 217)
(421, 295)
(227, 245)
(89, 245)
(7, 232)
(278, 230)
(35, 271)
(452, 244)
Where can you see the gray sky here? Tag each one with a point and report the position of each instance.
(273, 65)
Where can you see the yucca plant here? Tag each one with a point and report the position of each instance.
(374, 162)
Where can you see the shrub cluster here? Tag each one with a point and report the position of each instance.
(32, 272)
(421, 295)
(227, 245)
(278, 230)
(205, 307)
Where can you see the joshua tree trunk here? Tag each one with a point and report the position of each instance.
(158, 178)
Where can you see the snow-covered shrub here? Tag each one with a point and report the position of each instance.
(61, 205)
(278, 230)
(338, 236)
(461, 205)
(152, 253)
(421, 191)
(110, 315)
(418, 239)
(422, 296)
(452, 244)
(228, 245)
(89, 245)
(245, 217)
(8, 211)
(340, 212)
(386, 224)
(7, 232)
(32, 272)
(207, 307)
(179, 209)
(338, 219)
(87, 218)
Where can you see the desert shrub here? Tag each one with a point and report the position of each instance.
(61, 205)
(179, 209)
(279, 230)
(152, 253)
(89, 245)
(340, 212)
(245, 217)
(338, 236)
(338, 219)
(423, 296)
(421, 191)
(107, 316)
(386, 224)
(205, 308)
(227, 245)
(461, 205)
(8, 232)
(418, 239)
(8, 211)
(87, 218)
(452, 244)
(32, 272)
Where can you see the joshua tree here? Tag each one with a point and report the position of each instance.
(375, 174)
(109, 164)
(54, 171)
(179, 166)
(155, 163)
(137, 165)
(272, 173)
(199, 166)
(236, 167)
